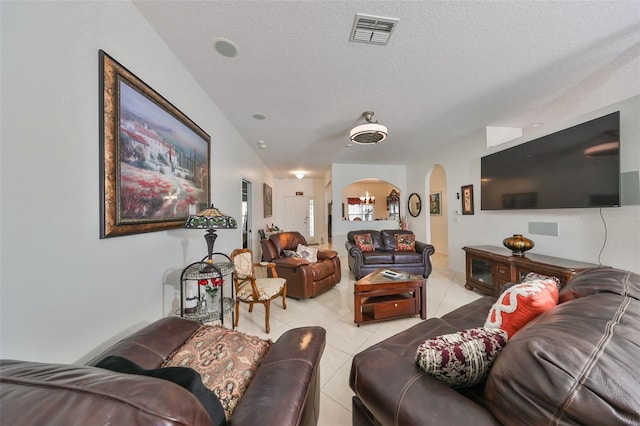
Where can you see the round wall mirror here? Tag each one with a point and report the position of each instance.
(414, 205)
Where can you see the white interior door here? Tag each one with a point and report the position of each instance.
(297, 215)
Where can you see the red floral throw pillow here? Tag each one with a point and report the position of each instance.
(521, 303)
(364, 242)
(405, 242)
(461, 359)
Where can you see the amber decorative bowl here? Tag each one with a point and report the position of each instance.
(518, 244)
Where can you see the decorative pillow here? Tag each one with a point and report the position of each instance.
(405, 242)
(364, 242)
(226, 359)
(186, 377)
(532, 276)
(521, 303)
(290, 253)
(461, 359)
(307, 253)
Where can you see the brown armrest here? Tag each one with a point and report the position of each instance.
(290, 262)
(285, 389)
(327, 254)
(60, 394)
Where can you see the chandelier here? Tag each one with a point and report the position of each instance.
(368, 199)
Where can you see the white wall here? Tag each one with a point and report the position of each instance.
(582, 231)
(343, 175)
(64, 293)
(310, 187)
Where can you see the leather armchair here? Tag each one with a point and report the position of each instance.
(304, 279)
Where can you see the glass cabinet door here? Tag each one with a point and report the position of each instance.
(481, 270)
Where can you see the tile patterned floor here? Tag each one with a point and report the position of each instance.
(333, 310)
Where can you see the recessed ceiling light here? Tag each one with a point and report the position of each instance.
(259, 116)
(225, 47)
(262, 144)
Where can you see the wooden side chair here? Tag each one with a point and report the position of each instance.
(251, 287)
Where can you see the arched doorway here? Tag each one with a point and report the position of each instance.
(438, 208)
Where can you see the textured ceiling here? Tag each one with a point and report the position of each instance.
(450, 69)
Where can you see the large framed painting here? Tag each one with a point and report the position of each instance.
(267, 195)
(154, 161)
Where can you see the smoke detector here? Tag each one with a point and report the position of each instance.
(372, 29)
(368, 133)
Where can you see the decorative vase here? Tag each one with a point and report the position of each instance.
(518, 244)
(213, 302)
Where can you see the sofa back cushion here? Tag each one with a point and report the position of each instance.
(376, 238)
(389, 237)
(600, 280)
(576, 364)
(287, 241)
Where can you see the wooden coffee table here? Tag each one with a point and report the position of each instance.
(378, 298)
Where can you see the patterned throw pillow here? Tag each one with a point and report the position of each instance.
(405, 242)
(307, 253)
(364, 242)
(290, 253)
(532, 276)
(461, 359)
(521, 303)
(226, 359)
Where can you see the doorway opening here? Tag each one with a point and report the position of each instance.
(246, 214)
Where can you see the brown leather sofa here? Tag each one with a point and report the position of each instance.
(304, 279)
(362, 263)
(576, 364)
(284, 391)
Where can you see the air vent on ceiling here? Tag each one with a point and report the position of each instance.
(372, 29)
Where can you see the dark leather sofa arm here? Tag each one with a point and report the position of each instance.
(427, 250)
(33, 393)
(354, 251)
(410, 395)
(286, 387)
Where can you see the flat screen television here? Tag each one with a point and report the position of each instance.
(574, 168)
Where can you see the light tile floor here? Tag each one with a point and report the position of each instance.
(333, 310)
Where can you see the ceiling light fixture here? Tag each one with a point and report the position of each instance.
(368, 199)
(225, 47)
(299, 175)
(368, 133)
(262, 144)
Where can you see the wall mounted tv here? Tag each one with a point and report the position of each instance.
(574, 168)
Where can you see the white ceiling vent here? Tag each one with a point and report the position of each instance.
(372, 29)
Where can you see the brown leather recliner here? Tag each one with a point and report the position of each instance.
(304, 279)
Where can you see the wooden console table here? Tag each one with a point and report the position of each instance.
(488, 268)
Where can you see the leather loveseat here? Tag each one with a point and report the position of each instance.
(385, 254)
(304, 278)
(284, 391)
(578, 363)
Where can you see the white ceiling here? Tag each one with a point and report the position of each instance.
(450, 69)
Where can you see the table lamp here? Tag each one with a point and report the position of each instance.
(210, 219)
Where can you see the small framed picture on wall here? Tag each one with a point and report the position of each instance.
(435, 203)
(267, 196)
(467, 199)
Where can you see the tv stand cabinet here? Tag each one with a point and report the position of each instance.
(488, 268)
